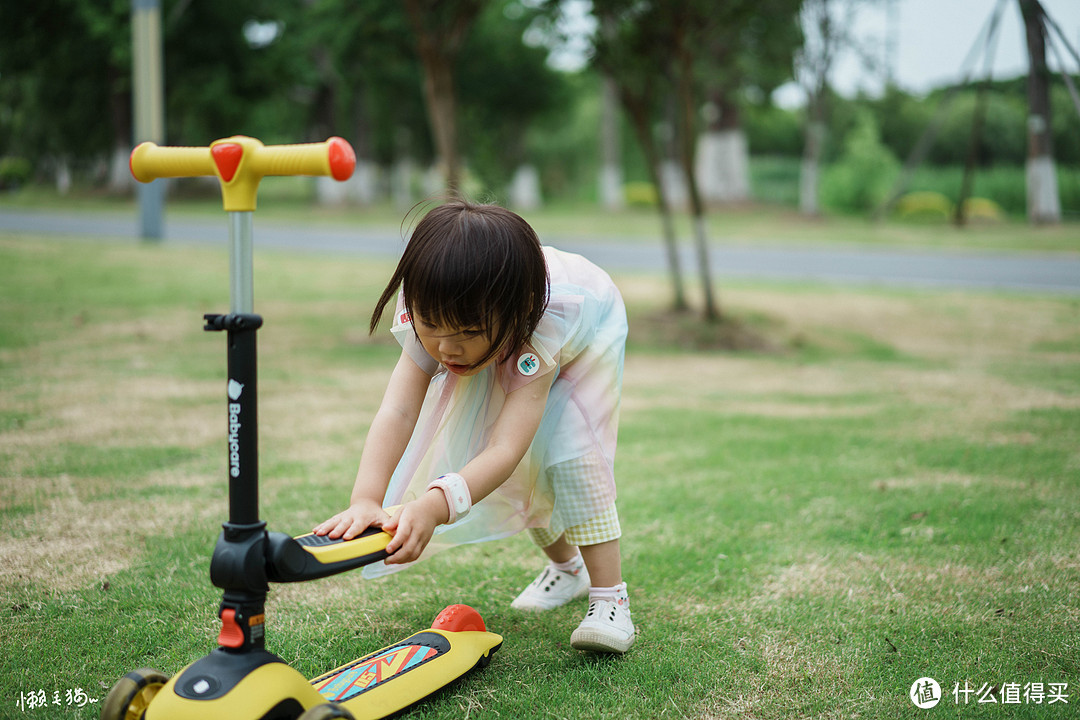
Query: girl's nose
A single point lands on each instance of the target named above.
(449, 348)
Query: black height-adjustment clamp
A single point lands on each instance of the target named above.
(239, 560)
(233, 322)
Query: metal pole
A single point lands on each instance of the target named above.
(241, 282)
(148, 105)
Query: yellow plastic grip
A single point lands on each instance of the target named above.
(150, 162)
(240, 163)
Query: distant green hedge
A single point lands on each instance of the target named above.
(775, 179)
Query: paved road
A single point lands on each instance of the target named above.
(1047, 273)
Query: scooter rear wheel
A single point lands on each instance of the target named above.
(131, 694)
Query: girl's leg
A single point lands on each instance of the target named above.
(604, 562)
(561, 551)
(607, 626)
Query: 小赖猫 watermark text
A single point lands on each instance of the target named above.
(39, 699)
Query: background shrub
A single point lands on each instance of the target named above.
(865, 173)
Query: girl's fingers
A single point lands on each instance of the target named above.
(326, 526)
(391, 526)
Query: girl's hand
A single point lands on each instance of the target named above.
(349, 523)
(413, 525)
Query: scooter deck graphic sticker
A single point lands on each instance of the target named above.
(385, 665)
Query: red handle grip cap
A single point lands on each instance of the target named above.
(342, 159)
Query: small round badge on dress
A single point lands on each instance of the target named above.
(528, 364)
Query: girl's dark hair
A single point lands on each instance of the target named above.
(473, 266)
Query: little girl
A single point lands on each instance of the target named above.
(501, 413)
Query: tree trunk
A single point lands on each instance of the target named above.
(670, 163)
(685, 70)
(363, 185)
(322, 123)
(810, 170)
(440, 27)
(611, 192)
(1043, 202)
(442, 109)
(120, 180)
(639, 118)
(401, 175)
(723, 162)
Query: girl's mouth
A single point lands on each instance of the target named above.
(455, 368)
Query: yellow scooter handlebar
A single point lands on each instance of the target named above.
(240, 163)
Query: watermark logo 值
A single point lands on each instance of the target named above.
(925, 693)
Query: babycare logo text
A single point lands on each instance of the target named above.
(235, 389)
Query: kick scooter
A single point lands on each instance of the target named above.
(241, 680)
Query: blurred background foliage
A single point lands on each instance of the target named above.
(302, 70)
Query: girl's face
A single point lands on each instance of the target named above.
(459, 350)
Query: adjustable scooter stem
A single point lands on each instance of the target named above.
(241, 324)
(239, 563)
(240, 163)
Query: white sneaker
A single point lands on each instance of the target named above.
(607, 627)
(552, 588)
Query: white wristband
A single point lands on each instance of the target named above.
(458, 497)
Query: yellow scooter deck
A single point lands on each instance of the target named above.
(222, 685)
(399, 675)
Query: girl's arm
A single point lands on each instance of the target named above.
(512, 433)
(385, 444)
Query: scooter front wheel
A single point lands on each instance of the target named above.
(131, 694)
(329, 711)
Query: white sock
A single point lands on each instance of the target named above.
(572, 566)
(616, 594)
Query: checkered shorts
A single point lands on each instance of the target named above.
(599, 529)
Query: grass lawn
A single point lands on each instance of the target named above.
(891, 492)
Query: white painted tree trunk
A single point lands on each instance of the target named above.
(120, 180)
(809, 175)
(810, 170)
(611, 187)
(329, 191)
(525, 188)
(360, 189)
(401, 189)
(722, 166)
(436, 180)
(63, 176)
(674, 180)
(1043, 201)
(363, 186)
